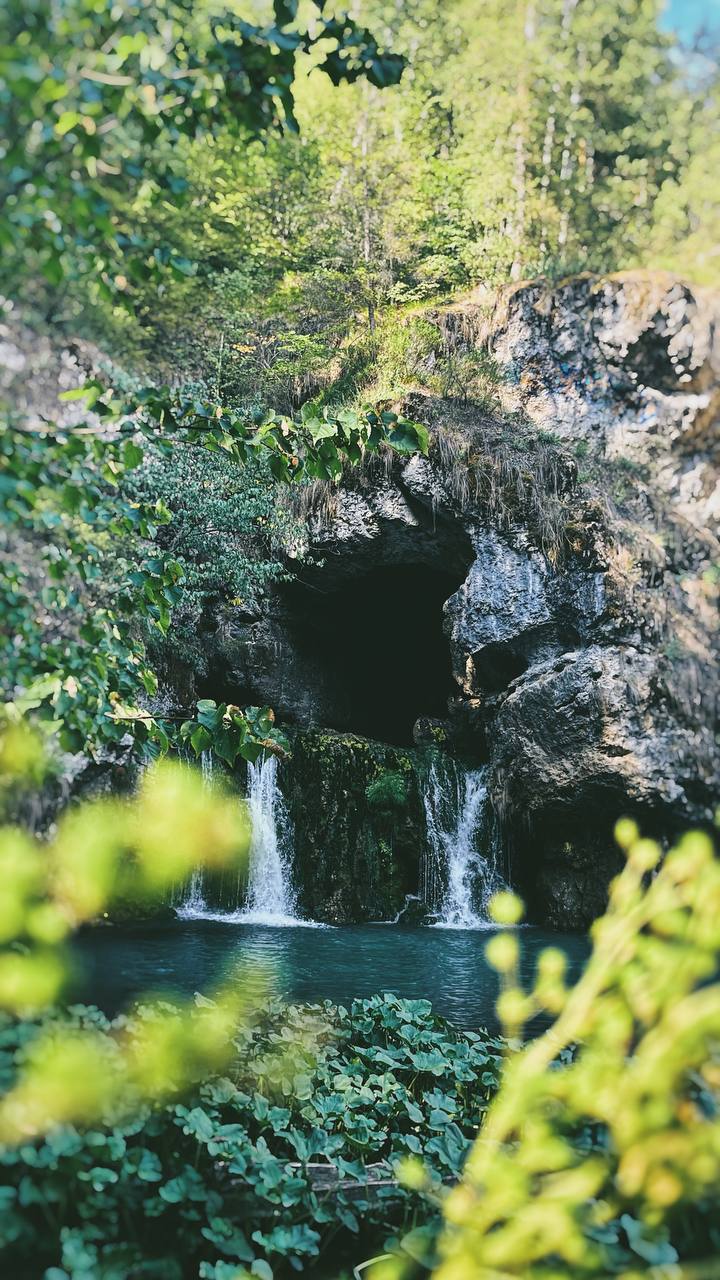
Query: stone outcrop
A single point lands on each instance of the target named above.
(354, 859)
(630, 362)
(577, 525)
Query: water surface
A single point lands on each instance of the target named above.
(445, 966)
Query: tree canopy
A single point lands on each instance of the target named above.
(94, 99)
(240, 203)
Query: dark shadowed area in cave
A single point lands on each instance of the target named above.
(379, 640)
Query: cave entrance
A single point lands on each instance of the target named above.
(378, 639)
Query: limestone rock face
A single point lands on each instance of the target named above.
(631, 362)
(509, 613)
(579, 608)
(577, 741)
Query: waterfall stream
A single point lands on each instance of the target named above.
(460, 871)
(193, 903)
(268, 896)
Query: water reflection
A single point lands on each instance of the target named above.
(445, 966)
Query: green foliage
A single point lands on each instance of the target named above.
(95, 113)
(61, 515)
(107, 850)
(598, 1151)
(65, 498)
(579, 144)
(80, 1072)
(229, 529)
(414, 348)
(584, 126)
(92, 108)
(229, 1176)
(387, 793)
(600, 1154)
(231, 733)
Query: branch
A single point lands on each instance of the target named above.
(104, 77)
(102, 429)
(148, 715)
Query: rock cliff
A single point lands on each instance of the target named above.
(538, 595)
(543, 585)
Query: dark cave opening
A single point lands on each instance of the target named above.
(378, 641)
(497, 666)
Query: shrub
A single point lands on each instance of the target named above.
(387, 793)
(228, 531)
(601, 1151)
(230, 1176)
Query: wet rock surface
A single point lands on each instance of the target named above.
(354, 859)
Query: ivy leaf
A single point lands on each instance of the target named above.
(419, 1243)
(201, 740)
(229, 1239)
(320, 430)
(656, 1251)
(183, 266)
(408, 437)
(210, 715)
(132, 455)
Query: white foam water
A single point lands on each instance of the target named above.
(193, 903)
(460, 872)
(268, 898)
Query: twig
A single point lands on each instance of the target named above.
(147, 715)
(362, 1266)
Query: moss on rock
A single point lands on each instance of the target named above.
(357, 856)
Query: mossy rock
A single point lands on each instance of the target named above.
(359, 825)
(388, 793)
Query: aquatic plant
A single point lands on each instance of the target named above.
(290, 1153)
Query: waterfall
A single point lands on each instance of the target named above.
(460, 871)
(193, 903)
(267, 898)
